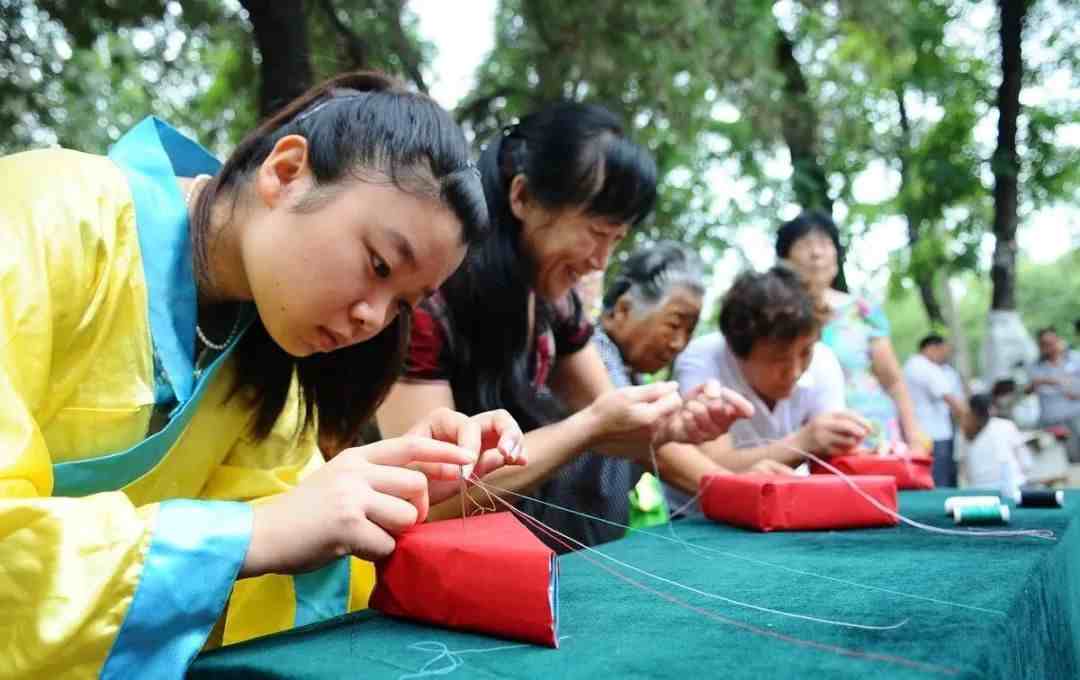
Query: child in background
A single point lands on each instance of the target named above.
(996, 457)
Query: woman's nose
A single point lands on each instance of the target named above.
(368, 317)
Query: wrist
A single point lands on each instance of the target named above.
(799, 441)
(588, 425)
(256, 561)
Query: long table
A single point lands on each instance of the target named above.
(971, 607)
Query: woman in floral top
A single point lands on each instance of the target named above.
(858, 333)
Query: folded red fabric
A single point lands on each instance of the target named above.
(911, 472)
(489, 575)
(786, 503)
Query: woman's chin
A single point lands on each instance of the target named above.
(553, 291)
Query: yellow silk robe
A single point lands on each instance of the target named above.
(119, 551)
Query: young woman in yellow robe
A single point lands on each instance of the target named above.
(173, 334)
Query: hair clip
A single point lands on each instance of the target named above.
(354, 95)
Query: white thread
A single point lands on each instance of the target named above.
(1045, 534)
(441, 652)
(724, 553)
(728, 600)
(756, 630)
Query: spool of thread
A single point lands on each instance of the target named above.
(981, 514)
(1040, 498)
(953, 502)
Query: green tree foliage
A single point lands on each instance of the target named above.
(657, 65)
(80, 73)
(1046, 295)
(879, 88)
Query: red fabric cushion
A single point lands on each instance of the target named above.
(911, 472)
(785, 502)
(489, 574)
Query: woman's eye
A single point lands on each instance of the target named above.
(379, 266)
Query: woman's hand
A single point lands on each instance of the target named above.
(494, 437)
(632, 415)
(353, 505)
(832, 434)
(707, 413)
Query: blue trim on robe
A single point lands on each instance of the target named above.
(152, 155)
(323, 593)
(117, 470)
(195, 554)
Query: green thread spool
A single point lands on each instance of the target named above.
(981, 514)
(953, 502)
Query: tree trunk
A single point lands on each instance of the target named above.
(923, 278)
(799, 126)
(280, 30)
(407, 52)
(1006, 163)
(957, 333)
(799, 123)
(355, 47)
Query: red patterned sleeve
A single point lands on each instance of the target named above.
(570, 327)
(428, 357)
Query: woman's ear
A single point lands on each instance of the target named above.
(618, 315)
(521, 201)
(285, 168)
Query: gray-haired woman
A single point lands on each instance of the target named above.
(650, 311)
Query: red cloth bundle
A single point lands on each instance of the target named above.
(490, 575)
(785, 503)
(911, 472)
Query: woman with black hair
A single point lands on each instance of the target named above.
(563, 186)
(857, 331)
(173, 332)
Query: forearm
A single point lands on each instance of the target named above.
(683, 466)
(905, 411)
(546, 450)
(725, 454)
(956, 407)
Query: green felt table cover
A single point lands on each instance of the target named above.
(1021, 620)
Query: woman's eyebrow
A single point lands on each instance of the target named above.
(402, 246)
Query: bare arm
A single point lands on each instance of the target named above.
(545, 449)
(683, 465)
(724, 453)
(620, 419)
(579, 378)
(827, 434)
(956, 406)
(888, 372)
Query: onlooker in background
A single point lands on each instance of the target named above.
(937, 402)
(857, 332)
(767, 350)
(1004, 395)
(997, 455)
(1055, 378)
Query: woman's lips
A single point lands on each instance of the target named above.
(327, 340)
